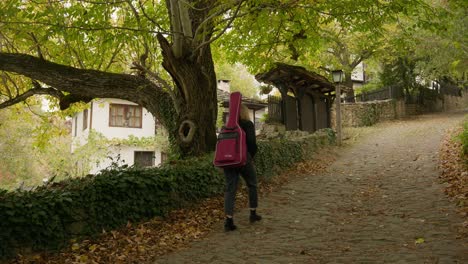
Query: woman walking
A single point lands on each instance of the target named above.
(247, 172)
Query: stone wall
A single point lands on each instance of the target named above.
(368, 113)
(412, 109)
(442, 103)
(271, 131)
(451, 103)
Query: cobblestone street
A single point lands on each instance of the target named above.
(380, 202)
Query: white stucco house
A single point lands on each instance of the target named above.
(358, 75)
(117, 119)
(121, 119)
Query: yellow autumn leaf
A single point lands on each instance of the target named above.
(75, 246)
(419, 240)
(92, 248)
(83, 258)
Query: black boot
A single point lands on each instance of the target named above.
(254, 217)
(229, 224)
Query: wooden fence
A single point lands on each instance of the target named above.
(416, 96)
(389, 92)
(274, 109)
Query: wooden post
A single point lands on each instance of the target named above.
(338, 114)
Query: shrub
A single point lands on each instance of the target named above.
(464, 137)
(49, 216)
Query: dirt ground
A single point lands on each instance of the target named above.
(380, 202)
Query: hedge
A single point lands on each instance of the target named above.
(47, 217)
(463, 136)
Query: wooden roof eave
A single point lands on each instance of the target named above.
(287, 76)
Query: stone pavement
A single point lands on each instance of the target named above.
(380, 202)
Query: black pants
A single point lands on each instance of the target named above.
(232, 179)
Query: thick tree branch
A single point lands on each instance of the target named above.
(67, 100)
(167, 52)
(85, 84)
(364, 55)
(22, 97)
(159, 81)
(39, 23)
(185, 21)
(356, 61)
(178, 36)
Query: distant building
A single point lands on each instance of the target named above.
(359, 75)
(257, 108)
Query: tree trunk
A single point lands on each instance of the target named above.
(348, 83)
(195, 124)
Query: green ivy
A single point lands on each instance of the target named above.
(134, 141)
(371, 115)
(168, 117)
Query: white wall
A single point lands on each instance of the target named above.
(358, 73)
(98, 120)
(80, 138)
(224, 85)
(127, 155)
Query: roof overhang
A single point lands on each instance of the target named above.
(286, 77)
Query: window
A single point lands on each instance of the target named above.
(121, 115)
(144, 158)
(85, 119)
(76, 126)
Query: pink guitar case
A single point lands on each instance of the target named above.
(231, 148)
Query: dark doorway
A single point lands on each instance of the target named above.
(322, 113)
(291, 113)
(308, 113)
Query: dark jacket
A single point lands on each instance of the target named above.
(249, 129)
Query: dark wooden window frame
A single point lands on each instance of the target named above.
(137, 153)
(126, 107)
(75, 129)
(85, 119)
